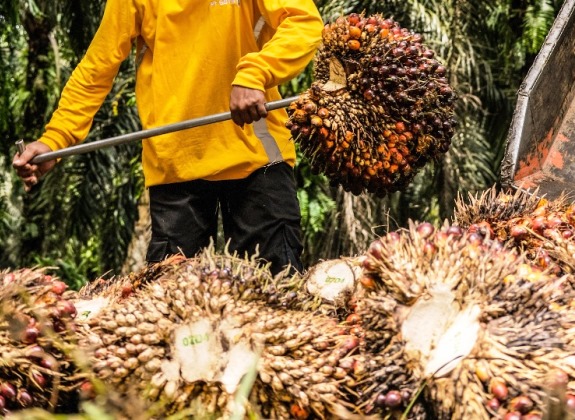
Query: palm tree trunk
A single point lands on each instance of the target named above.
(39, 30)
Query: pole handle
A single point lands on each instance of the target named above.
(21, 146)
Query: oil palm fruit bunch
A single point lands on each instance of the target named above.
(39, 366)
(463, 327)
(380, 107)
(544, 229)
(185, 337)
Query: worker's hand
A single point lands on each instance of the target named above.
(247, 105)
(29, 172)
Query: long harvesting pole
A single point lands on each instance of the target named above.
(144, 134)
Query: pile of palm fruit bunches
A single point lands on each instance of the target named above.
(459, 321)
(380, 107)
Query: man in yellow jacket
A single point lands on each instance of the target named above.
(197, 58)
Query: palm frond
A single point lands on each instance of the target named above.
(539, 17)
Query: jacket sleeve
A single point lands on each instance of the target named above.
(93, 78)
(298, 27)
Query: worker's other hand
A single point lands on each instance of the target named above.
(29, 172)
(247, 105)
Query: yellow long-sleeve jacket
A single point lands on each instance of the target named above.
(190, 54)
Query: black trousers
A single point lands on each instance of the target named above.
(259, 212)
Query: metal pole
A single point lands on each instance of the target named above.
(144, 134)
